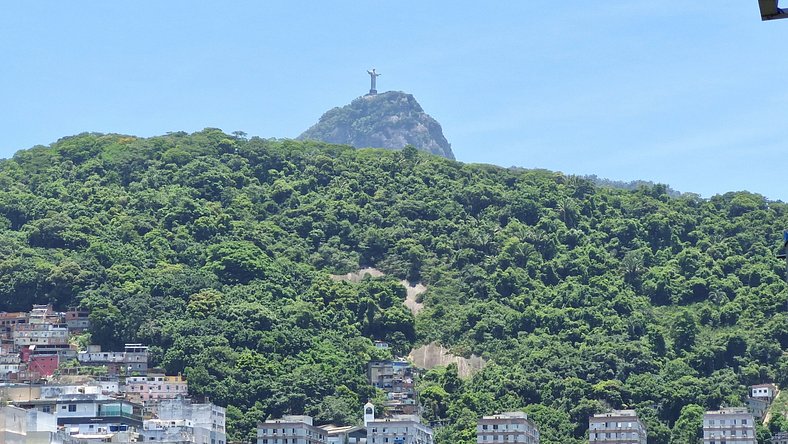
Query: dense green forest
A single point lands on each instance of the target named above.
(216, 250)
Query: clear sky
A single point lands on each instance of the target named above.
(692, 94)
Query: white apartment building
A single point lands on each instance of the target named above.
(780, 438)
(763, 391)
(400, 429)
(290, 429)
(618, 426)
(507, 427)
(97, 388)
(206, 416)
(173, 431)
(13, 425)
(733, 425)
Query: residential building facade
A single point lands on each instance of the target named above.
(294, 429)
(733, 425)
(396, 379)
(507, 427)
(780, 438)
(400, 429)
(133, 360)
(618, 426)
(206, 416)
(154, 387)
(13, 425)
(764, 391)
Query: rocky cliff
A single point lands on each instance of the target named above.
(389, 120)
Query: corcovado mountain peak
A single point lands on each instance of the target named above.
(392, 120)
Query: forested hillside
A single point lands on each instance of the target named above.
(217, 250)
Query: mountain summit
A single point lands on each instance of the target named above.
(391, 120)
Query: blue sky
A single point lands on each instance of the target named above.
(691, 94)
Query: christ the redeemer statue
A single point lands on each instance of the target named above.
(372, 77)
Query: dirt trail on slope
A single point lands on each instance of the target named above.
(768, 415)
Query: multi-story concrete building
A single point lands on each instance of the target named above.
(290, 430)
(90, 414)
(400, 429)
(99, 389)
(154, 387)
(733, 425)
(618, 426)
(13, 425)
(761, 397)
(42, 428)
(758, 407)
(205, 416)
(40, 334)
(133, 360)
(174, 431)
(9, 366)
(20, 426)
(507, 427)
(7, 323)
(763, 391)
(396, 378)
(44, 314)
(780, 438)
(77, 319)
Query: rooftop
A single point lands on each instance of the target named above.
(729, 411)
(615, 413)
(507, 415)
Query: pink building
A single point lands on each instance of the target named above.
(154, 387)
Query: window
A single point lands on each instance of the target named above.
(72, 407)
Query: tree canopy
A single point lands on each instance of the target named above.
(217, 250)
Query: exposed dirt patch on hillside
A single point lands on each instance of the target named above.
(413, 294)
(358, 276)
(413, 291)
(433, 355)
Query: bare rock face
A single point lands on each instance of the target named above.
(389, 120)
(433, 355)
